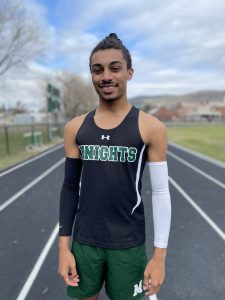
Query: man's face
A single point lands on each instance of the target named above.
(109, 74)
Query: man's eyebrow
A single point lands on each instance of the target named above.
(96, 65)
(112, 63)
(116, 62)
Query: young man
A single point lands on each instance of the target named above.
(106, 151)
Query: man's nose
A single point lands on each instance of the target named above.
(107, 75)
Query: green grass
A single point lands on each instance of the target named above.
(207, 139)
(17, 142)
(10, 160)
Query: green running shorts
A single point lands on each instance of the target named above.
(122, 271)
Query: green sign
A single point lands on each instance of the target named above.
(53, 98)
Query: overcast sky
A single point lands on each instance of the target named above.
(177, 46)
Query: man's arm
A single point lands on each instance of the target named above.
(71, 151)
(69, 198)
(154, 134)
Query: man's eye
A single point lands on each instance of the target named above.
(116, 69)
(97, 71)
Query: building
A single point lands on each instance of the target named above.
(204, 112)
(163, 114)
(201, 111)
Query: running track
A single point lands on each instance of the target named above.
(28, 228)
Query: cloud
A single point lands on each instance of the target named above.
(178, 32)
(170, 33)
(176, 46)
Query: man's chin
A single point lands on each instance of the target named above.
(108, 97)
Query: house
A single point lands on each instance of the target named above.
(163, 114)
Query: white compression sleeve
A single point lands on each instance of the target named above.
(161, 203)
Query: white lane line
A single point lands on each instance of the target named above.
(206, 175)
(32, 183)
(34, 272)
(198, 209)
(199, 155)
(153, 297)
(30, 160)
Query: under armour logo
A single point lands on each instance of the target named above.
(107, 137)
(137, 289)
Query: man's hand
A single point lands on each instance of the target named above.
(67, 267)
(154, 275)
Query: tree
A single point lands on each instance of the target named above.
(2, 108)
(147, 107)
(19, 108)
(20, 36)
(77, 96)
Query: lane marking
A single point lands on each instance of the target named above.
(30, 160)
(34, 272)
(31, 184)
(153, 297)
(199, 155)
(206, 175)
(215, 227)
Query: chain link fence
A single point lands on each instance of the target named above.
(16, 138)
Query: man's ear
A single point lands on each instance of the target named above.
(130, 74)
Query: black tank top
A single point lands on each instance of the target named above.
(110, 210)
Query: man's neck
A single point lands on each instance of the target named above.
(114, 106)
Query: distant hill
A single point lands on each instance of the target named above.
(168, 100)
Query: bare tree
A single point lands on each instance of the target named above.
(19, 108)
(20, 36)
(77, 96)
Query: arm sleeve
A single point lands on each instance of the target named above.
(161, 203)
(69, 196)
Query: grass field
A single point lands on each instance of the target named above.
(16, 138)
(208, 139)
(10, 160)
(19, 136)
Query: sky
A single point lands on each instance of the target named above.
(177, 46)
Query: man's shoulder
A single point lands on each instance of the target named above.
(74, 124)
(151, 123)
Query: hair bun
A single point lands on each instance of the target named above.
(112, 36)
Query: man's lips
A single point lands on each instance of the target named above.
(108, 88)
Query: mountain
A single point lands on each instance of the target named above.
(167, 100)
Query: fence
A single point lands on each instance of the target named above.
(15, 138)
